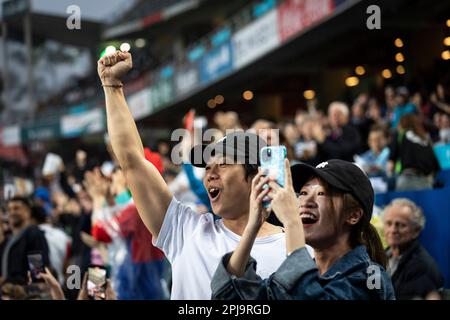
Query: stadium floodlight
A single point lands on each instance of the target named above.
(248, 95)
(110, 50)
(446, 55)
(125, 47)
(140, 43)
(386, 73)
(359, 70)
(447, 41)
(309, 94)
(211, 103)
(399, 57)
(351, 81)
(400, 69)
(398, 43)
(219, 99)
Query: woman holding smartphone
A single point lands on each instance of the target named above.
(332, 214)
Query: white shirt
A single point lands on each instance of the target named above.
(194, 244)
(58, 243)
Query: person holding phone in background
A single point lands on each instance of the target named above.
(332, 214)
(192, 242)
(24, 239)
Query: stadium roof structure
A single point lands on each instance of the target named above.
(49, 17)
(341, 39)
(144, 14)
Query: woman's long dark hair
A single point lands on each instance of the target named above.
(365, 233)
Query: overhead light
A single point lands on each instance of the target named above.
(125, 47)
(309, 94)
(386, 73)
(448, 23)
(400, 69)
(110, 50)
(399, 57)
(447, 41)
(351, 81)
(140, 43)
(219, 99)
(211, 103)
(398, 43)
(359, 70)
(248, 95)
(446, 55)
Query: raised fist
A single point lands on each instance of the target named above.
(111, 68)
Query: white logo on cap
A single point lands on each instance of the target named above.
(322, 165)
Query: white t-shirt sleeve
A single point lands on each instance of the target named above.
(179, 224)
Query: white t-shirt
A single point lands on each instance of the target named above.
(58, 243)
(195, 243)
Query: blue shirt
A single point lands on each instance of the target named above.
(353, 277)
(375, 165)
(400, 111)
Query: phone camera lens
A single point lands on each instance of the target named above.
(269, 152)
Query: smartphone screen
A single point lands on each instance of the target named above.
(35, 265)
(272, 161)
(96, 283)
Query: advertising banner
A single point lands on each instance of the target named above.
(296, 15)
(216, 63)
(75, 125)
(255, 40)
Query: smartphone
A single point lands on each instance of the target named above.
(35, 265)
(272, 162)
(96, 283)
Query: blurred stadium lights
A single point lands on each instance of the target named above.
(359, 70)
(309, 94)
(399, 57)
(398, 43)
(110, 50)
(386, 73)
(446, 55)
(400, 69)
(248, 95)
(140, 43)
(211, 103)
(447, 41)
(351, 81)
(125, 47)
(219, 99)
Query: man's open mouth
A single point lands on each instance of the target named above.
(213, 193)
(308, 218)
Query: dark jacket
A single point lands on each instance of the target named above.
(417, 273)
(341, 144)
(353, 277)
(32, 239)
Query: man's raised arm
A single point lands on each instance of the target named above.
(149, 190)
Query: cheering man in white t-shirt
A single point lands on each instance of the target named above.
(193, 243)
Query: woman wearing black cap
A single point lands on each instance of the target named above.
(335, 200)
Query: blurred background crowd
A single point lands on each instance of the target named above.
(299, 73)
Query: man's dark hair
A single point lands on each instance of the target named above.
(38, 213)
(25, 201)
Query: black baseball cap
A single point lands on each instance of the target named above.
(242, 147)
(342, 175)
